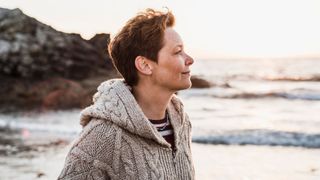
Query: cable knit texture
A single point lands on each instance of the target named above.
(119, 142)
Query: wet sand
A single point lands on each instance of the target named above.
(256, 162)
(211, 162)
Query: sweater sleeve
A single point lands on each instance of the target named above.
(88, 157)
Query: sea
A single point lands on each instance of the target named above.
(273, 102)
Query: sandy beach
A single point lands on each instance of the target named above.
(256, 162)
(211, 162)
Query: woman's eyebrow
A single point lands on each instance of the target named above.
(179, 45)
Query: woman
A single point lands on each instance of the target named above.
(137, 127)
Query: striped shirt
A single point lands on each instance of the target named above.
(165, 129)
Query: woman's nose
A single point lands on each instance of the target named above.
(189, 60)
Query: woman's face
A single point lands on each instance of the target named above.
(172, 71)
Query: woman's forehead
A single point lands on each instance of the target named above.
(172, 38)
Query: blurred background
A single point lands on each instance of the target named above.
(254, 104)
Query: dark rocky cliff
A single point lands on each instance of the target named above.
(41, 67)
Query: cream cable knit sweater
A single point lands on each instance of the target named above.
(119, 142)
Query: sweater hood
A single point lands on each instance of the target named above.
(114, 102)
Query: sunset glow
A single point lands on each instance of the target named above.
(246, 28)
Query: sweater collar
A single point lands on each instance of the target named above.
(115, 102)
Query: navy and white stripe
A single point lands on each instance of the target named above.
(164, 127)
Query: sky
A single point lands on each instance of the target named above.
(209, 28)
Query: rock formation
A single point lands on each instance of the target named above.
(42, 67)
(198, 82)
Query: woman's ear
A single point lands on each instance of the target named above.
(143, 65)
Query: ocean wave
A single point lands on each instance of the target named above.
(287, 95)
(312, 77)
(293, 78)
(261, 137)
(302, 94)
(18, 126)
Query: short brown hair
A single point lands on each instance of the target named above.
(141, 36)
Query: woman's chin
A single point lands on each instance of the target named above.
(186, 85)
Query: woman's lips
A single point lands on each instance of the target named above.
(186, 73)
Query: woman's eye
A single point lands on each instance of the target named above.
(178, 52)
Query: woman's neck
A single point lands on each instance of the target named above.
(152, 100)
